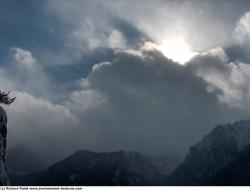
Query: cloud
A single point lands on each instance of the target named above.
(28, 74)
(133, 20)
(83, 101)
(44, 126)
(231, 79)
(116, 40)
(86, 38)
(242, 30)
(35, 119)
(24, 57)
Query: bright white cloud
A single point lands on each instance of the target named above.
(27, 74)
(40, 124)
(116, 40)
(24, 57)
(83, 101)
(242, 30)
(230, 79)
(84, 37)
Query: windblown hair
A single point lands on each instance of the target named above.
(4, 98)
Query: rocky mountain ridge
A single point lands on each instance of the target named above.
(215, 152)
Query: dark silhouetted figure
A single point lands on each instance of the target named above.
(4, 99)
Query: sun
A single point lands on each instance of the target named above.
(177, 49)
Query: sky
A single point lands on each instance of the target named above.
(148, 75)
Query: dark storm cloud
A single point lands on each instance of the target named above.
(148, 102)
(152, 100)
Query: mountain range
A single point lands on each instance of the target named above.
(222, 157)
(91, 168)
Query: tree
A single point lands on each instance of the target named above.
(4, 98)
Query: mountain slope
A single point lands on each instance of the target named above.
(164, 163)
(236, 173)
(91, 168)
(205, 160)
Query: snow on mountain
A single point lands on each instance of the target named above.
(213, 153)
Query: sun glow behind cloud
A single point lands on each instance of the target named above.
(177, 49)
